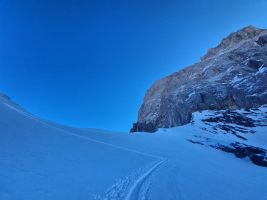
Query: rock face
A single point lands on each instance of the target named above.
(230, 76)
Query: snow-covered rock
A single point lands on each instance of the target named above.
(241, 132)
(232, 75)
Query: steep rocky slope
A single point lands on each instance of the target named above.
(232, 75)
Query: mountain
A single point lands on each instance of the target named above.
(47, 161)
(232, 75)
(220, 151)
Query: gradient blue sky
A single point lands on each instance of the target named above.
(89, 63)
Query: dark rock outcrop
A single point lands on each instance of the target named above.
(257, 155)
(230, 76)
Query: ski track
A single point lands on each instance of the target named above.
(135, 186)
(80, 136)
(138, 190)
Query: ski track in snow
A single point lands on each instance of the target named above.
(140, 187)
(139, 184)
(136, 186)
(85, 137)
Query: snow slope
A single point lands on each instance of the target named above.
(46, 161)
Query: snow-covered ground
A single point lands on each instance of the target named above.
(40, 160)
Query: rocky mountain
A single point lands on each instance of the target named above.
(232, 75)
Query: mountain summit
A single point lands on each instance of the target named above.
(232, 75)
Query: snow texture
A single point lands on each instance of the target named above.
(46, 161)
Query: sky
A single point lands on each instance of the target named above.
(89, 63)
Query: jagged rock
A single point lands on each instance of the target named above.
(228, 117)
(230, 76)
(262, 40)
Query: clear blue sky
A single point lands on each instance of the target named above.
(89, 63)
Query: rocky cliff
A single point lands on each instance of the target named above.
(230, 76)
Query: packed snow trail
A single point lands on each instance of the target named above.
(135, 186)
(136, 190)
(139, 189)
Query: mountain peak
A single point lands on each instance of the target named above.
(245, 33)
(233, 40)
(232, 75)
(249, 28)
